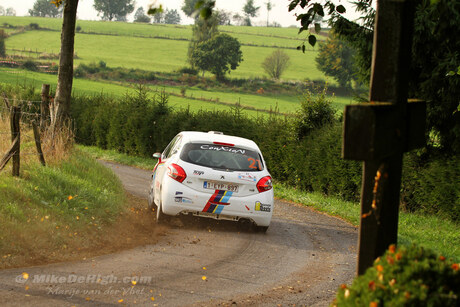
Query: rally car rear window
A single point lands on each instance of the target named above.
(222, 157)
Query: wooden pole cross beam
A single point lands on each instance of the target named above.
(380, 131)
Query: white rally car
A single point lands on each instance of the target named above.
(212, 175)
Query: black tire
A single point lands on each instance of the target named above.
(262, 229)
(150, 202)
(161, 217)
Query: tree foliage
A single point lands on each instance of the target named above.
(202, 30)
(10, 12)
(171, 17)
(114, 9)
(218, 55)
(434, 53)
(336, 59)
(44, 8)
(276, 63)
(250, 11)
(189, 7)
(140, 16)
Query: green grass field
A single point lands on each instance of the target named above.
(132, 46)
(152, 54)
(284, 103)
(283, 37)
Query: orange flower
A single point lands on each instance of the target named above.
(455, 266)
(442, 258)
(343, 286)
(373, 304)
(371, 285)
(379, 268)
(392, 248)
(390, 260)
(70, 197)
(398, 256)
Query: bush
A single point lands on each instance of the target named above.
(276, 63)
(316, 111)
(30, 65)
(431, 186)
(189, 71)
(405, 277)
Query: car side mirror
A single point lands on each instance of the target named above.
(157, 155)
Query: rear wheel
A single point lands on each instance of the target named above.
(151, 203)
(161, 217)
(262, 229)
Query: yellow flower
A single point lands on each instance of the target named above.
(203, 278)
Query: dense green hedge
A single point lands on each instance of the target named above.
(144, 124)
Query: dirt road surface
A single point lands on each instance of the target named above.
(301, 260)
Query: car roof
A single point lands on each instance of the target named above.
(209, 137)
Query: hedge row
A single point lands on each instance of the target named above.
(144, 124)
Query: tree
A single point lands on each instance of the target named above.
(61, 110)
(434, 54)
(10, 12)
(218, 55)
(159, 17)
(202, 30)
(140, 16)
(114, 9)
(171, 17)
(223, 17)
(189, 7)
(276, 63)
(269, 7)
(250, 11)
(336, 59)
(44, 8)
(2, 44)
(2, 11)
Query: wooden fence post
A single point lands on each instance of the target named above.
(16, 137)
(38, 143)
(45, 106)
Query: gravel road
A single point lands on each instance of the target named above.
(301, 260)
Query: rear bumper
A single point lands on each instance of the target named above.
(180, 199)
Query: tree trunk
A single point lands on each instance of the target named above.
(61, 104)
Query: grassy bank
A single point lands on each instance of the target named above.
(430, 231)
(50, 213)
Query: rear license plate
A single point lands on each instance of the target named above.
(220, 186)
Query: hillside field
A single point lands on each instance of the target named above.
(162, 49)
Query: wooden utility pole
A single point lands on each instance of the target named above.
(380, 131)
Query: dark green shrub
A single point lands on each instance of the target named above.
(432, 186)
(34, 26)
(78, 28)
(188, 70)
(30, 65)
(316, 111)
(405, 277)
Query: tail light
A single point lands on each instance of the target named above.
(176, 172)
(264, 184)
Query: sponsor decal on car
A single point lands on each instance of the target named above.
(198, 173)
(179, 193)
(223, 148)
(262, 207)
(218, 201)
(184, 200)
(247, 177)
